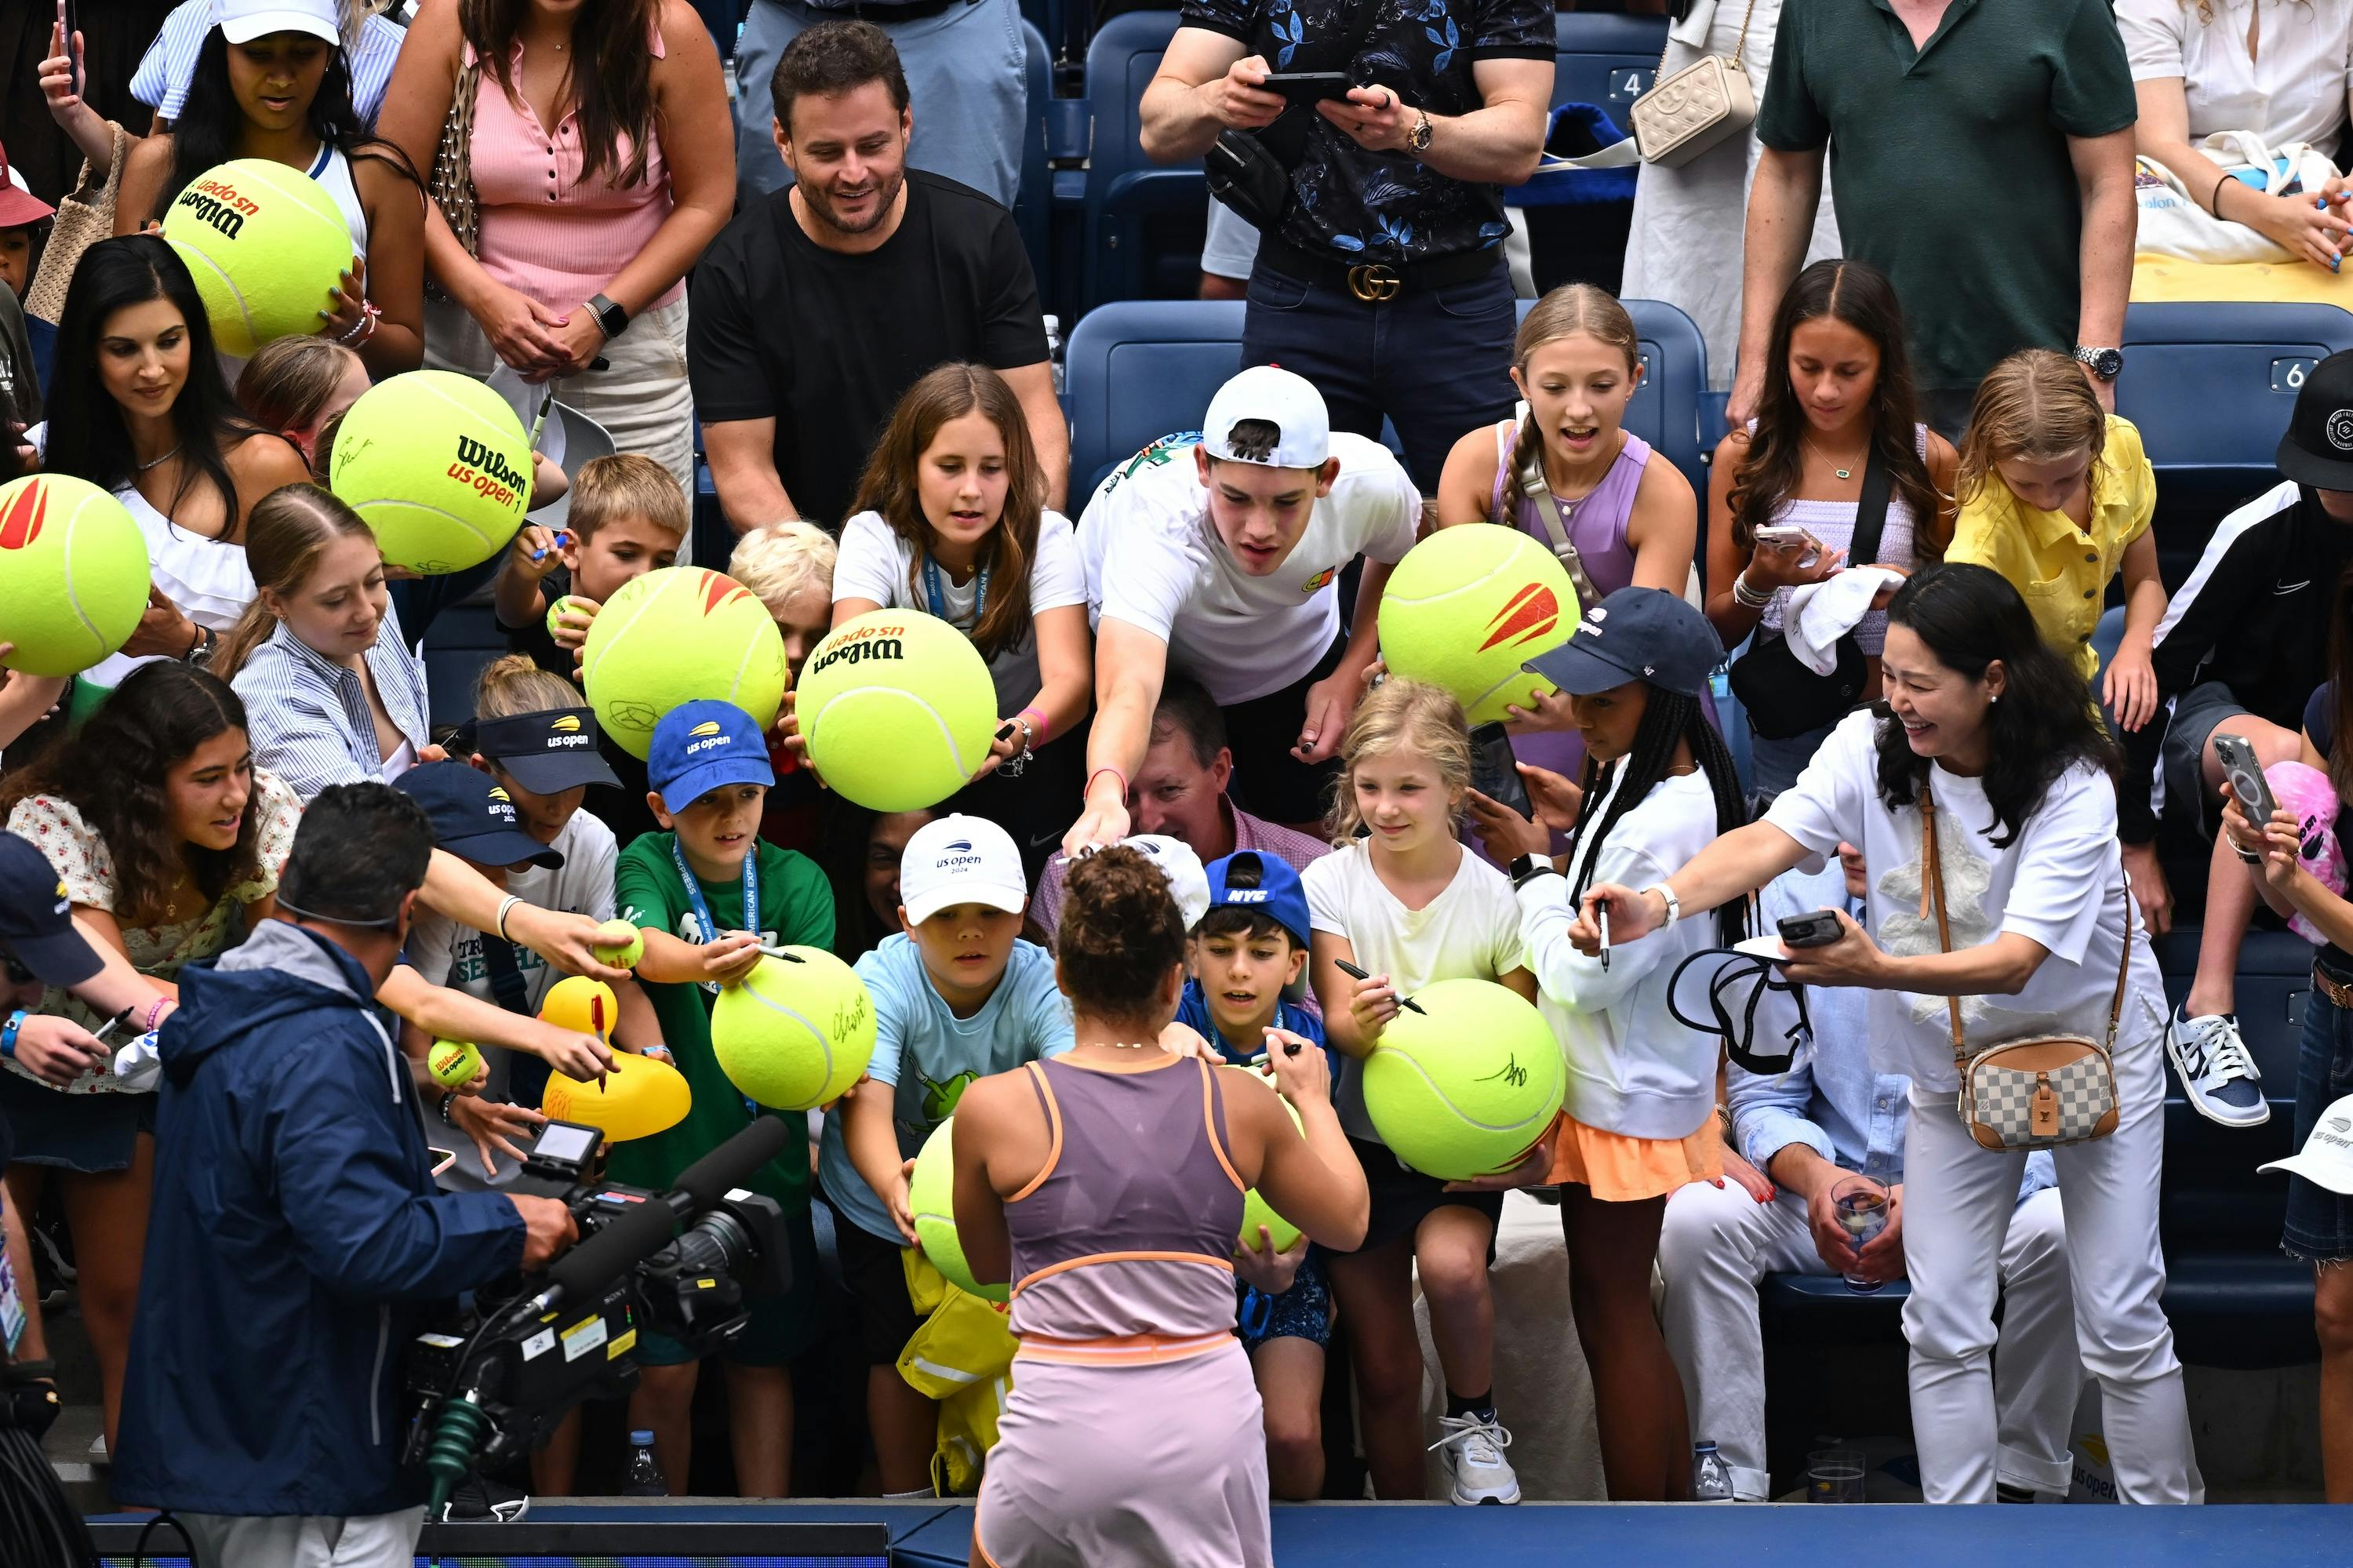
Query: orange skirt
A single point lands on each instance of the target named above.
(1622, 1170)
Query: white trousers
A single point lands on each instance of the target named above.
(299, 1540)
(1958, 1199)
(1717, 1245)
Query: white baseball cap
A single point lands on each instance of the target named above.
(242, 21)
(1189, 881)
(2327, 1158)
(956, 860)
(1280, 397)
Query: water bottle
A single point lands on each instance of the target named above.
(1711, 1479)
(644, 1478)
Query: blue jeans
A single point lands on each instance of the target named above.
(2319, 1227)
(967, 88)
(1437, 362)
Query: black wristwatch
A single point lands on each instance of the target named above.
(200, 652)
(1528, 867)
(2107, 364)
(610, 317)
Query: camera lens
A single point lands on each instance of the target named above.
(713, 1242)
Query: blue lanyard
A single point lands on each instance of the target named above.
(702, 909)
(939, 600)
(1251, 1048)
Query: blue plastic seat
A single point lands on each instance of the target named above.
(1144, 223)
(2210, 386)
(1605, 60)
(1033, 203)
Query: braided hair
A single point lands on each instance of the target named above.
(1670, 719)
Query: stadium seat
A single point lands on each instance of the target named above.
(1033, 203)
(460, 643)
(1144, 223)
(1666, 411)
(1605, 60)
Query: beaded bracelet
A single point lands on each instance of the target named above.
(362, 330)
(155, 1010)
(1747, 596)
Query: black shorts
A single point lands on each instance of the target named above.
(1269, 782)
(875, 1275)
(1403, 1198)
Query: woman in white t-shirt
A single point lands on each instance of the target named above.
(2278, 69)
(952, 520)
(1993, 729)
(1407, 905)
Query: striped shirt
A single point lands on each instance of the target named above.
(308, 718)
(162, 78)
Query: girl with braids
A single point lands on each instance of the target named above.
(1985, 725)
(1837, 398)
(278, 87)
(1407, 905)
(1616, 515)
(1639, 1120)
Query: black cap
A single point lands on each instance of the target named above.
(547, 752)
(1635, 634)
(2317, 449)
(36, 925)
(472, 817)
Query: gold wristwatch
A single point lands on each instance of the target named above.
(1418, 137)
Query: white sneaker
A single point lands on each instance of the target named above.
(1476, 1470)
(2216, 1072)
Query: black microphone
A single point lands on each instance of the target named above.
(731, 1164)
(611, 1253)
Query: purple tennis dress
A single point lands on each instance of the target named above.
(1133, 1433)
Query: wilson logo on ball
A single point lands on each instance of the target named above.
(22, 524)
(1532, 612)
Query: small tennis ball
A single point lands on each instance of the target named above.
(640, 1097)
(453, 1063)
(897, 709)
(797, 1033)
(1467, 1086)
(75, 570)
(581, 1005)
(674, 635)
(267, 245)
(619, 944)
(438, 465)
(930, 1201)
(1255, 1212)
(555, 614)
(1470, 605)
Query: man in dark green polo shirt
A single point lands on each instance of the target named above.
(1982, 155)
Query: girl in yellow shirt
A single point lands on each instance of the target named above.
(2055, 494)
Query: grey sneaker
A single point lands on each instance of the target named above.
(1476, 1470)
(2216, 1072)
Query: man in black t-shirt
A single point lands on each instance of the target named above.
(822, 303)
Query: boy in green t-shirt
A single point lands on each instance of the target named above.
(708, 894)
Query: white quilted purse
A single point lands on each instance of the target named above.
(1685, 114)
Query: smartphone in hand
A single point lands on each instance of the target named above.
(2246, 773)
(1495, 770)
(1305, 87)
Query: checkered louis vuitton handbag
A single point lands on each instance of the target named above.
(2042, 1090)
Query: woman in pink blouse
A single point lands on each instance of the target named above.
(603, 162)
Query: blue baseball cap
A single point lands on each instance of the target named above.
(472, 816)
(1278, 895)
(1634, 634)
(703, 746)
(36, 926)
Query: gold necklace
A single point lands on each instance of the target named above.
(1847, 473)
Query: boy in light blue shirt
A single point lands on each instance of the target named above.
(958, 996)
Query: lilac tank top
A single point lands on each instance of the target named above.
(1129, 1231)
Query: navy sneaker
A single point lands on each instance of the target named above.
(2216, 1072)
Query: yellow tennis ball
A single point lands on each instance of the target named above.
(1470, 605)
(1467, 1086)
(73, 574)
(640, 1097)
(581, 1004)
(677, 634)
(438, 465)
(453, 1063)
(267, 245)
(931, 1202)
(797, 1033)
(1255, 1212)
(619, 944)
(555, 613)
(897, 709)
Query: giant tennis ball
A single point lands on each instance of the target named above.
(1470, 605)
(897, 709)
(930, 1201)
(619, 943)
(1468, 1084)
(438, 465)
(581, 1004)
(1254, 1210)
(640, 1097)
(73, 574)
(677, 634)
(797, 1033)
(453, 1063)
(267, 245)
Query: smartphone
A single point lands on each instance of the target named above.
(1786, 534)
(442, 1159)
(1308, 86)
(69, 25)
(1819, 929)
(2246, 777)
(1495, 770)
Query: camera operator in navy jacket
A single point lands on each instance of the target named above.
(296, 1227)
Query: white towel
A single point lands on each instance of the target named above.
(1820, 613)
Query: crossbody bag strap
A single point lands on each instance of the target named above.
(1538, 491)
(1870, 512)
(2124, 970)
(1741, 48)
(1934, 864)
